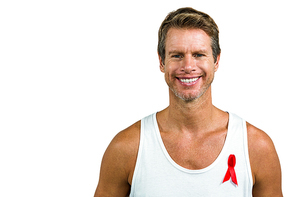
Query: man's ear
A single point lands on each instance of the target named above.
(161, 65)
(217, 62)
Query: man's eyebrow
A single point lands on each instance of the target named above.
(194, 52)
(175, 51)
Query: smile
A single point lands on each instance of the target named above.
(189, 80)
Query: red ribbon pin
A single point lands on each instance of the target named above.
(230, 171)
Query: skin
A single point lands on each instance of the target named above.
(192, 128)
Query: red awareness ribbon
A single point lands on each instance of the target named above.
(230, 171)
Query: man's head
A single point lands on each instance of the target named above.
(189, 52)
(188, 18)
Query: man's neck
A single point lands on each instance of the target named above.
(191, 117)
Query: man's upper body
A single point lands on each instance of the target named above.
(192, 129)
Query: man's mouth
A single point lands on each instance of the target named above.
(188, 81)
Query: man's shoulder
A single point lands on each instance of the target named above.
(259, 142)
(127, 140)
(263, 156)
(121, 154)
(118, 162)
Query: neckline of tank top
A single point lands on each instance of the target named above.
(203, 170)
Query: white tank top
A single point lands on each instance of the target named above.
(158, 175)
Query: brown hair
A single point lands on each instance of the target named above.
(188, 18)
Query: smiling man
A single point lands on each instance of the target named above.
(191, 148)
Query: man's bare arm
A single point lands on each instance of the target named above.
(118, 164)
(265, 164)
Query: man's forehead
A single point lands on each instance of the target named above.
(187, 39)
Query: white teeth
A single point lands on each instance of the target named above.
(189, 80)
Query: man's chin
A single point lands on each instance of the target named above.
(186, 97)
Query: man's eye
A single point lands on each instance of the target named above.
(198, 55)
(176, 56)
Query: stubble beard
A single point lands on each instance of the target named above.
(192, 97)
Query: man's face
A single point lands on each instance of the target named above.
(189, 64)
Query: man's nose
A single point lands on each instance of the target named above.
(188, 65)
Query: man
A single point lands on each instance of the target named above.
(191, 148)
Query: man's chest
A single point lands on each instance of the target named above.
(194, 152)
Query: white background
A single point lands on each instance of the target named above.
(75, 73)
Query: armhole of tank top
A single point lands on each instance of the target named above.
(138, 159)
(247, 152)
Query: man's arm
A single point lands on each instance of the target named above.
(118, 164)
(265, 164)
